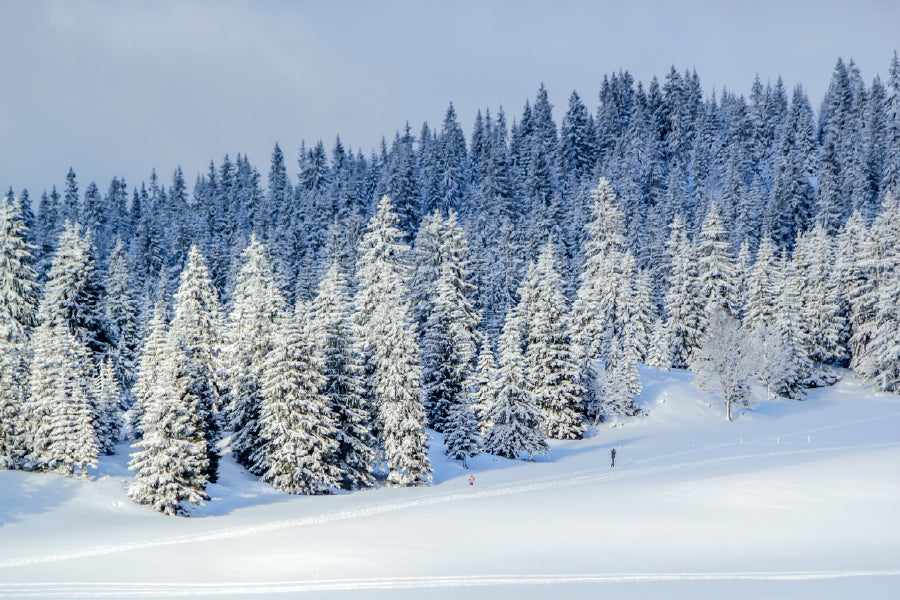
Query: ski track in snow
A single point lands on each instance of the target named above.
(144, 590)
(366, 511)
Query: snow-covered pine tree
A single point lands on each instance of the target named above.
(884, 360)
(426, 268)
(683, 305)
(149, 366)
(514, 417)
(397, 389)
(61, 403)
(462, 439)
(297, 428)
(857, 269)
(380, 266)
(602, 283)
(659, 355)
(73, 294)
(620, 381)
(743, 266)
(107, 409)
(449, 336)
(343, 386)
(122, 316)
(257, 308)
(642, 314)
(480, 384)
(442, 371)
(65, 349)
(762, 291)
(456, 268)
(823, 321)
(171, 462)
(18, 303)
(195, 343)
(497, 268)
(552, 374)
(389, 342)
(881, 360)
(716, 272)
(788, 324)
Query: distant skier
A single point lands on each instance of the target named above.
(471, 480)
(613, 455)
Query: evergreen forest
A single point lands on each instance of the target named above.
(317, 319)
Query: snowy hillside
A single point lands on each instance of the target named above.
(792, 500)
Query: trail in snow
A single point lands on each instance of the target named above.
(366, 511)
(144, 590)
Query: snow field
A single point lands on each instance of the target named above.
(793, 500)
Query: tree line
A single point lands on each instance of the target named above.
(546, 264)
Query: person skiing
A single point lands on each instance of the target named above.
(471, 480)
(613, 455)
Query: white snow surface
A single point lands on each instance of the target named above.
(792, 500)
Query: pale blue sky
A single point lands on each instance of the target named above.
(120, 87)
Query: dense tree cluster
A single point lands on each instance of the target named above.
(317, 325)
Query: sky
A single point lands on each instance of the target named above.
(119, 88)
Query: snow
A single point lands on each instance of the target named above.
(793, 499)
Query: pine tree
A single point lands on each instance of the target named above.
(194, 341)
(441, 297)
(381, 265)
(150, 365)
(890, 175)
(18, 303)
(762, 293)
(514, 417)
(602, 282)
(879, 331)
(462, 439)
(823, 322)
(742, 267)
(452, 164)
(716, 272)
(659, 355)
(389, 342)
(171, 462)
(121, 314)
(481, 385)
(788, 325)
(71, 203)
(885, 346)
(620, 382)
(552, 374)
(66, 349)
(443, 374)
(298, 429)
(426, 267)
(61, 403)
(257, 308)
(577, 141)
(641, 314)
(682, 300)
(107, 410)
(73, 294)
(791, 199)
(858, 275)
(343, 386)
(397, 389)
